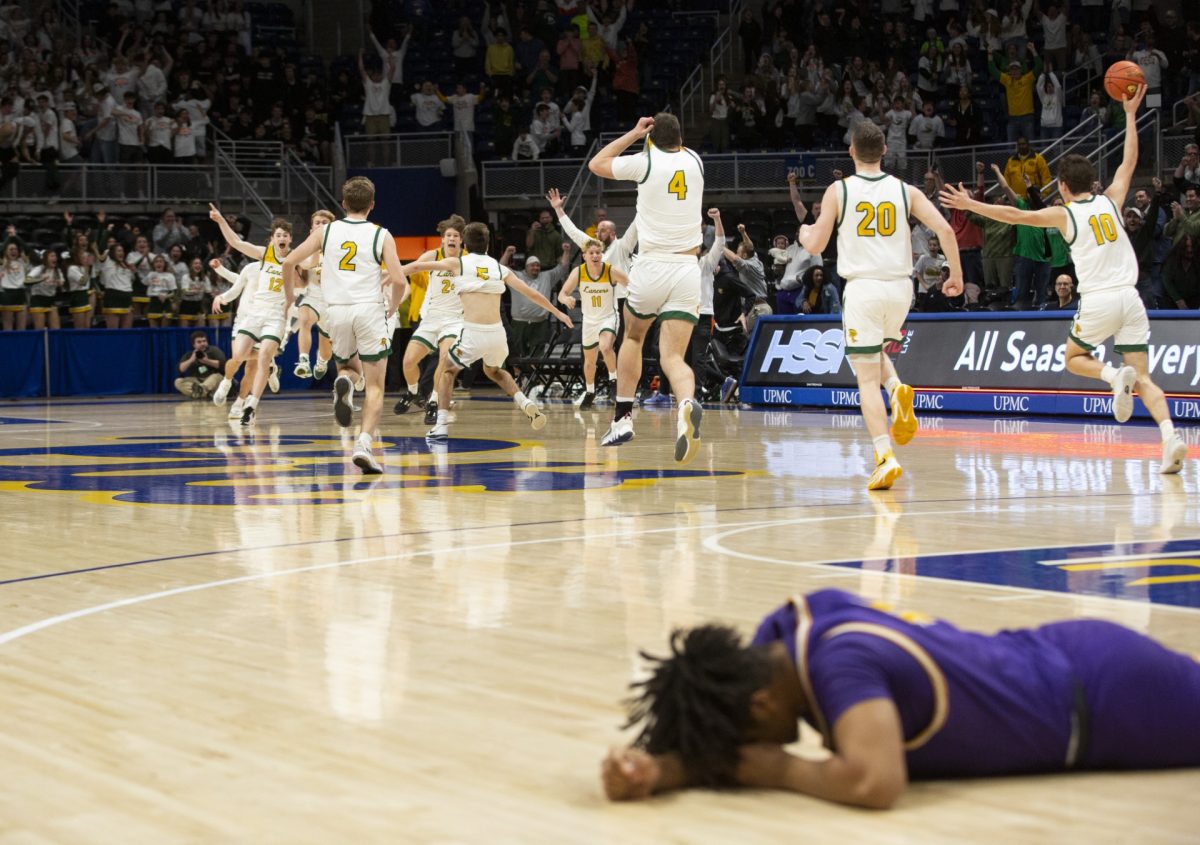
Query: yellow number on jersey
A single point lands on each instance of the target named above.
(347, 262)
(879, 219)
(275, 284)
(678, 185)
(597, 300)
(1104, 228)
(447, 286)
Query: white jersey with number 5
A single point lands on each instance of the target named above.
(1103, 255)
(351, 260)
(874, 241)
(670, 203)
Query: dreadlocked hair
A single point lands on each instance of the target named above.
(696, 703)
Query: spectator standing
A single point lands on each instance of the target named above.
(524, 147)
(1054, 35)
(499, 62)
(1153, 62)
(1031, 268)
(530, 322)
(790, 285)
(1018, 89)
(168, 232)
(161, 288)
(626, 82)
(504, 126)
(965, 119)
(104, 134)
(1187, 172)
(14, 309)
(429, 107)
(81, 290)
(378, 115)
(748, 265)
(544, 239)
(47, 282)
(464, 43)
(1051, 96)
(160, 136)
(201, 369)
(751, 34)
(999, 241)
(577, 116)
(527, 49)
(68, 137)
(927, 128)
(570, 54)
(464, 105)
(898, 118)
(1026, 163)
(48, 152)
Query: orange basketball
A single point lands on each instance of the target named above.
(1121, 81)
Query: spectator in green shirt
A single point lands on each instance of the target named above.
(1031, 268)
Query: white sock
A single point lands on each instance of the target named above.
(321, 360)
(302, 357)
(612, 378)
(883, 444)
(412, 388)
(443, 417)
(433, 396)
(1168, 430)
(251, 402)
(890, 385)
(226, 383)
(366, 439)
(591, 388)
(1109, 373)
(519, 399)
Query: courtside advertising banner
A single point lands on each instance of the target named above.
(986, 362)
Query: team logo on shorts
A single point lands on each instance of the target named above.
(853, 335)
(253, 469)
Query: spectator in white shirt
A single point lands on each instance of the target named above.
(197, 104)
(160, 136)
(428, 106)
(1049, 91)
(104, 133)
(464, 105)
(68, 146)
(610, 28)
(152, 81)
(129, 130)
(789, 285)
(185, 138)
(525, 148)
(544, 133)
(377, 97)
(1153, 62)
(49, 138)
(1054, 36)
(927, 128)
(464, 43)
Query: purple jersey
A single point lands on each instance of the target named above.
(1036, 700)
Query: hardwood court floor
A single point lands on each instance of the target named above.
(216, 637)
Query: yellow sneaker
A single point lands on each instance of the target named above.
(904, 421)
(887, 470)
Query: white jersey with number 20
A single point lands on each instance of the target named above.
(874, 240)
(670, 203)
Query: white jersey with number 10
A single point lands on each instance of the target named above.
(670, 203)
(1100, 248)
(874, 239)
(351, 260)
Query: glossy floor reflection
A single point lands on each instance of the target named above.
(214, 635)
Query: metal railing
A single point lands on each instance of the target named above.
(115, 183)
(233, 182)
(580, 186)
(411, 149)
(1179, 111)
(308, 183)
(694, 93)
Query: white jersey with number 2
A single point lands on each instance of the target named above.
(874, 240)
(670, 202)
(351, 260)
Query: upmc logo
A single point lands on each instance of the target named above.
(815, 352)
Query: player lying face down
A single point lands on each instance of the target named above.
(898, 699)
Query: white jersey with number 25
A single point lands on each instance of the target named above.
(670, 203)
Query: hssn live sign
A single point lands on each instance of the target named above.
(990, 361)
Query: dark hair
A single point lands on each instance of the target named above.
(454, 221)
(281, 223)
(192, 337)
(1077, 173)
(476, 236)
(867, 140)
(666, 132)
(697, 701)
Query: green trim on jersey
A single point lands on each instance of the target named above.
(871, 178)
(325, 238)
(845, 202)
(378, 253)
(649, 163)
(904, 193)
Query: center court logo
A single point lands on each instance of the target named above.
(815, 352)
(249, 470)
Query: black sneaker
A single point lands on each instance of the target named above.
(589, 399)
(431, 413)
(403, 403)
(343, 400)
(248, 415)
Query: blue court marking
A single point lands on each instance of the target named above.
(1158, 572)
(20, 421)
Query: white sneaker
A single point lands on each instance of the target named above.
(343, 400)
(887, 470)
(687, 439)
(235, 410)
(1174, 451)
(273, 378)
(320, 369)
(222, 391)
(361, 384)
(441, 431)
(1122, 390)
(621, 431)
(302, 369)
(362, 457)
(537, 420)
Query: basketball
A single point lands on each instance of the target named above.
(1121, 81)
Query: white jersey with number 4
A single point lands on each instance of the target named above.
(874, 240)
(351, 261)
(670, 203)
(1102, 252)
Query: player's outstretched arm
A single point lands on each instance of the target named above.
(231, 237)
(1119, 188)
(568, 288)
(296, 258)
(536, 297)
(446, 265)
(602, 163)
(391, 261)
(927, 213)
(956, 196)
(815, 238)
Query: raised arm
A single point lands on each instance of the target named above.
(568, 288)
(1124, 175)
(296, 259)
(815, 238)
(231, 237)
(1004, 186)
(557, 201)
(602, 163)
(960, 198)
(794, 194)
(446, 265)
(713, 257)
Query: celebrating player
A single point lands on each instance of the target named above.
(597, 281)
(309, 309)
(1107, 268)
(870, 211)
